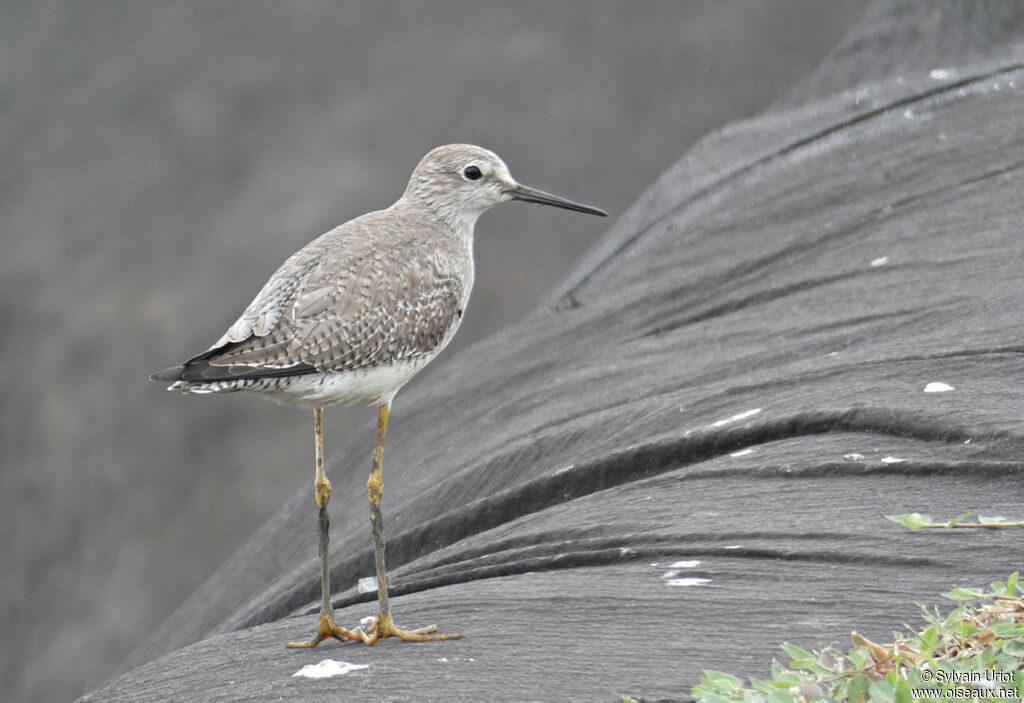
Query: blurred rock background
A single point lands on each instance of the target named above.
(161, 159)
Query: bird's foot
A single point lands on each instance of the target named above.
(383, 627)
(327, 628)
(377, 630)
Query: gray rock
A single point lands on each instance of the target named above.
(646, 477)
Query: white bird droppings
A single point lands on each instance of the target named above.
(328, 668)
(367, 584)
(880, 261)
(940, 74)
(736, 418)
(685, 564)
(742, 452)
(892, 460)
(671, 577)
(693, 581)
(938, 387)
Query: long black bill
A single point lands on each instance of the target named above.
(532, 195)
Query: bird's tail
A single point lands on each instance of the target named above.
(168, 375)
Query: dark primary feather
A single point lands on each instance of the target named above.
(168, 375)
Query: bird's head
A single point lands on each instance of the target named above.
(460, 182)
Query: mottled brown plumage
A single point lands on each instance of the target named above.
(349, 301)
(355, 314)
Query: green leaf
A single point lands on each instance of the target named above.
(882, 692)
(1011, 584)
(721, 680)
(990, 520)
(955, 520)
(860, 658)
(964, 629)
(1004, 629)
(965, 593)
(764, 686)
(781, 697)
(1014, 648)
(930, 616)
(930, 636)
(955, 615)
(857, 690)
(709, 697)
(797, 654)
(927, 642)
(914, 521)
(903, 694)
(768, 686)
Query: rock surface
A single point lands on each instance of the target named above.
(650, 476)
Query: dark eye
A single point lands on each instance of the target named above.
(472, 173)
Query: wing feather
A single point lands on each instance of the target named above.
(345, 303)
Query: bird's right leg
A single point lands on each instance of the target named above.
(326, 626)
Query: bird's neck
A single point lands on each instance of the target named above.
(458, 222)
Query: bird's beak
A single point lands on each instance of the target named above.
(532, 195)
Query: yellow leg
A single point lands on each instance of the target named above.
(384, 626)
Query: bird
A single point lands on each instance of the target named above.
(352, 316)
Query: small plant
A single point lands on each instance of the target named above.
(917, 521)
(976, 652)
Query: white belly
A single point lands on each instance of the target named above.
(376, 385)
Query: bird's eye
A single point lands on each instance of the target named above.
(472, 173)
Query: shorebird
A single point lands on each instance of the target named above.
(355, 314)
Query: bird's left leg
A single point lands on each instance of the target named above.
(384, 626)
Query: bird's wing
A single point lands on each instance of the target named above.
(340, 304)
